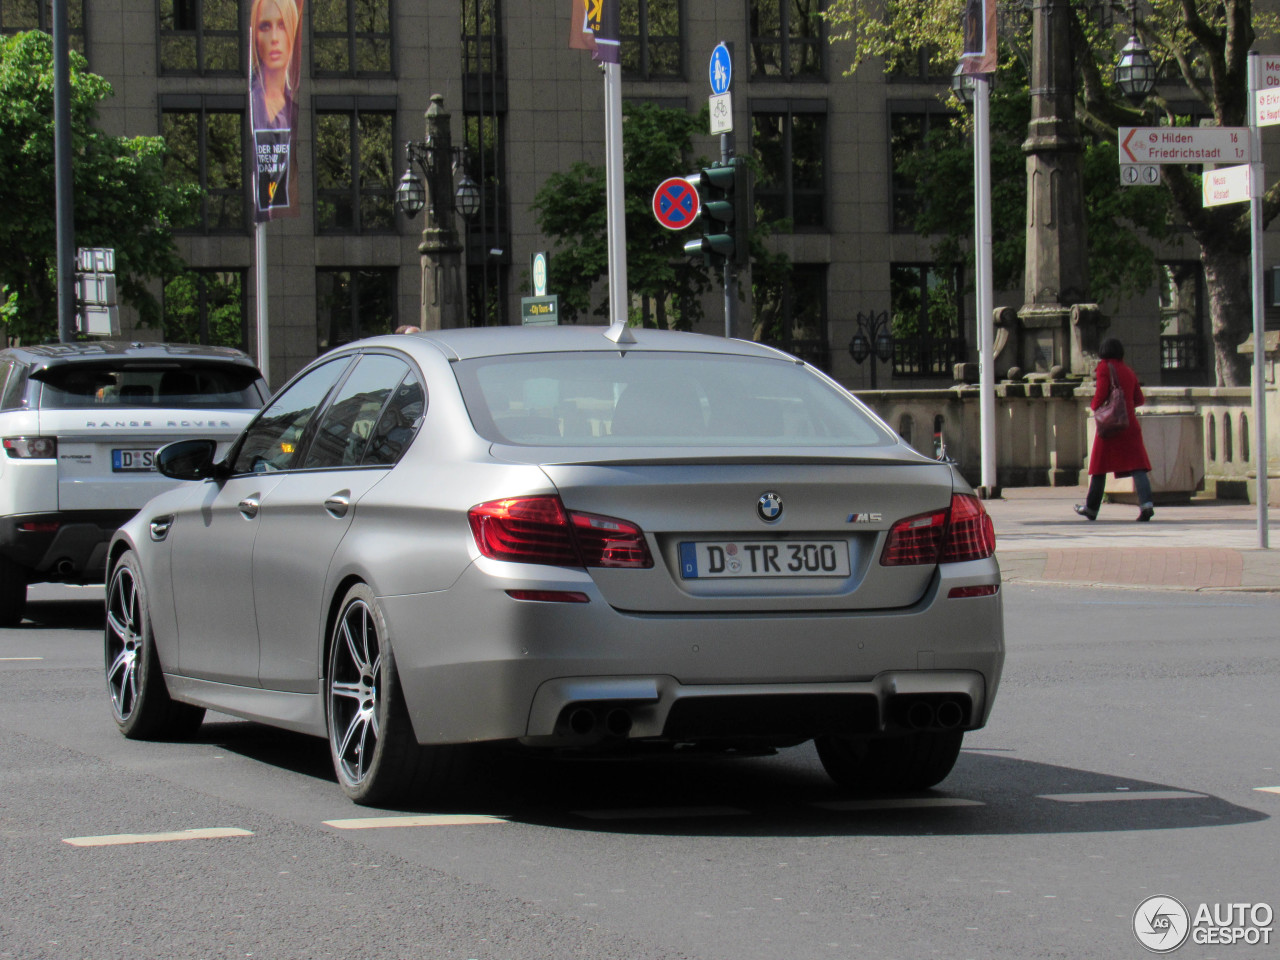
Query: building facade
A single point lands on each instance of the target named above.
(526, 106)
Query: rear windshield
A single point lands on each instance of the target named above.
(78, 386)
(659, 399)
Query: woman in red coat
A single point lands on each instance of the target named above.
(1123, 454)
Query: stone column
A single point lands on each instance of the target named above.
(442, 296)
(1057, 273)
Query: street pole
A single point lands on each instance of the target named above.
(260, 271)
(615, 208)
(986, 291)
(727, 146)
(64, 196)
(1256, 184)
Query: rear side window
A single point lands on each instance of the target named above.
(81, 386)
(659, 399)
(351, 420)
(15, 383)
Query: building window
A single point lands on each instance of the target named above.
(351, 38)
(486, 295)
(790, 146)
(17, 16)
(791, 311)
(206, 306)
(918, 66)
(205, 148)
(927, 319)
(355, 182)
(911, 133)
(1182, 320)
(786, 39)
(200, 37)
(482, 39)
(353, 303)
(650, 33)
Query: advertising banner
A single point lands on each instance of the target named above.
(275, 72)
(593, 25)
(979, 52)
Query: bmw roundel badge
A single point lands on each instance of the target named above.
(769, 507)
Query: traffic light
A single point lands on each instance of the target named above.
(725, 195)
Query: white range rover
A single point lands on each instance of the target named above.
(80, 424)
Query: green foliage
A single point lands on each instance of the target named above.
(121, 199)
(570, 207)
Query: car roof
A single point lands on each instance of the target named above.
(47, 355)
(472, 342)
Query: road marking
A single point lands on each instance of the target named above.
(659, 813)
(1268, 789)
(896, 803)
(21, 658)
(119, 839)
(430, 820)
(1122, 795)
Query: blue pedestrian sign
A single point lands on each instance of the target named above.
(721, 69)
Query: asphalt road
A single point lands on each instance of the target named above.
(1129, 753)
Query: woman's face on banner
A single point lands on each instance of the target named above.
(275, 46)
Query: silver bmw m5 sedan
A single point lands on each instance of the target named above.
(546, 537)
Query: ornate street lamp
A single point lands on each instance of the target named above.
(872, 327)
(1136, 71)
(411, 195)
(962, 85)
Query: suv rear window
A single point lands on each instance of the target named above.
(80, 386)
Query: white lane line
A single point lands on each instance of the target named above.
(659, 813)
(6, 659)
(898, 803)
(119, 839)
(1122, 795)
(1268, 789)
(431, 820)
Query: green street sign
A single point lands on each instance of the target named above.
(540, 311)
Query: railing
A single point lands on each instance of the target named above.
(934, 357)
(1184, 351)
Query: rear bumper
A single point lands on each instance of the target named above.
(478, 665)
(74, 552)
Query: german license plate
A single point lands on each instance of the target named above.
(133, 461)
(767, 558)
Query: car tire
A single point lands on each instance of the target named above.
(916, 761)
(140, 701)
(13, 592)
(376, 757)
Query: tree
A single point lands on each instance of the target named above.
(570, 207)
(1204, 44)
(121, 199)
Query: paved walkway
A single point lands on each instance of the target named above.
(1203, 545)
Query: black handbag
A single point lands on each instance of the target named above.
(1113, 416)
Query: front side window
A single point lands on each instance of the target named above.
(201, 37)
(18, 16)
(927, 319)
(208, 307)
(659, 399)
(354, 303)
(351, 38)
(205, 148)
(354, 177)
(347, 425)
(272, 441)
(790, 148)
(786, 39)
(650, 32)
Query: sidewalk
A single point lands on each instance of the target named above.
(1203, 545)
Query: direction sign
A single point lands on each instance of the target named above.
(1267, 105)
(1184, 145)
(1226, 185)
(675, 203)
(721, 69)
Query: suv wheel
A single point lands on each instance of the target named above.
(13, 592)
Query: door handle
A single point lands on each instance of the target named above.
(338, 503)
(249, 506)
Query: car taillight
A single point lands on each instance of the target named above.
(964, 532)
(540, 530)
(31, 448)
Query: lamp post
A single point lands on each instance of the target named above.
(872, 328)
(1136, 71)
(436, 157)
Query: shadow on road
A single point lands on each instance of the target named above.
(64, 614)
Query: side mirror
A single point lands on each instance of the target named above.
(188, 459)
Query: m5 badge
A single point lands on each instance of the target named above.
(865, 518)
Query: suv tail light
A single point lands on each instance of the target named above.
(962, 532)
(540, 530)
(31, 448)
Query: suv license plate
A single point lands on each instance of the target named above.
(133, 461)
(767, 558)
